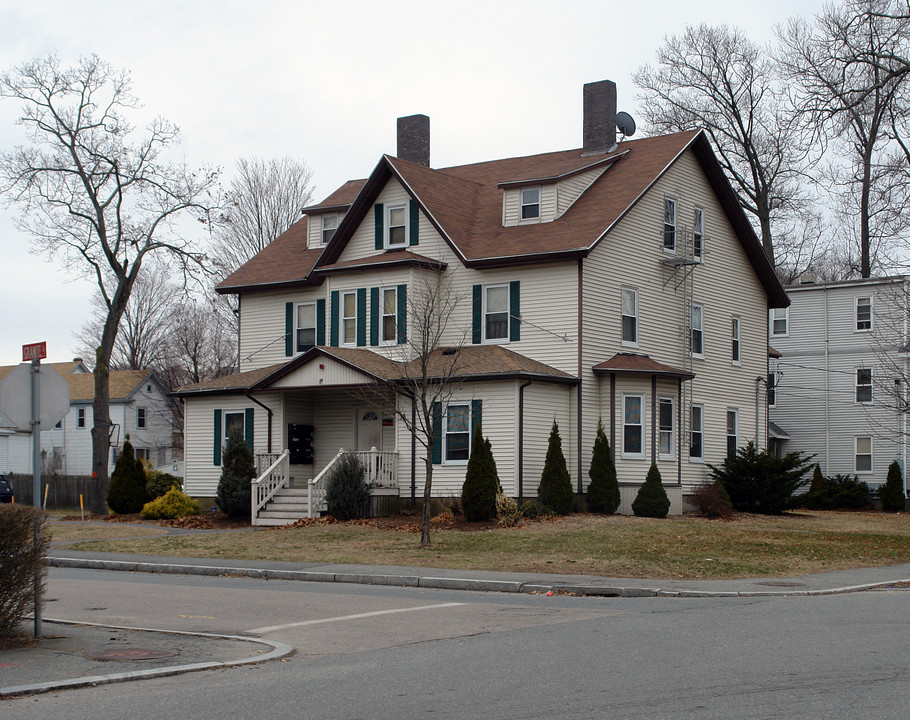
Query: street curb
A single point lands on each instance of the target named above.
(279, 650)
(446, 583)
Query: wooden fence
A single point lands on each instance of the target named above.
(62, 490)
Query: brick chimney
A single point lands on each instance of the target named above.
(414, 139)
(600, 117)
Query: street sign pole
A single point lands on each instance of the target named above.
(36, 481)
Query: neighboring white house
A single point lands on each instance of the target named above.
(619, 282)
(139, 407)
(840, 382)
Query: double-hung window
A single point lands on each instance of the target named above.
(306, 326)
(389, 324)
(735, 330)
(667, 428)
(862, 456)
(329, 226)
(396, 225)
(863, 313)
(457, 432)
(530, 203)
(630, 317)
(772, 389)
(233, 425)
(669, 224)
(496, 313)
(697, 434)
(80, 417)
(732, 431)
(140, 417)
(349, 318)
(633, 445)
(698, 330)
(698, 235)
(780, 321)
(864, 385)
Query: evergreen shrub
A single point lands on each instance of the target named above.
(839, 492)
(173, 504)
(603, 492)
(712, 500)
(481, 481)
(234, 494)
(892, 492)
(760, 482)
(652, 500)
(555, 490)
(157, 483)
(126, 493)
(347, 495)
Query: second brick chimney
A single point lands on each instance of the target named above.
(414, 139)
(599, 117)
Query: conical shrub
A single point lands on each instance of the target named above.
(481, 480)
(555, 490)
(652, 500)
(237, 469)
(126, 493)
(892, 492)
(603, 492)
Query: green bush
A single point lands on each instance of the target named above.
(173, 504)
(481, 481)
(712, 500)
(759, 482)
(529, 509)
(157, 483)
(21, 560)
(126, 493)
(234, 495)
(839, 492)
(603, 492)
(652, 500)
(555, 490)
(347, 495)
(507, 512)
(818, 480)
(892, 492)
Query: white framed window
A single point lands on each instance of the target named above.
(633, 425)
(863, 314)
(863, 385)
(780, 322)
(698, 330)
(862, 454)
(530, 203)
(329, 226)
(670, 224)
(80, 417)
(396, 225)
(388, 325)
(349, 318)
(496, 313)
(666, 421)
(630, 317)
(772, 389)
(736, 347)
(732, 431)
(142, 454)
(233, 423)
(697, 434)
(457, 433)
(140, 417)
(305, 334)
(698, 235)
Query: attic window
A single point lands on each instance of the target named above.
(329, 226)
(397, 225)
(530, 203)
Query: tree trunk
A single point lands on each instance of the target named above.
(101, 414)
(766, 239)
(865, 255)
(427, 486)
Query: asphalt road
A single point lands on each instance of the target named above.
(388, 652)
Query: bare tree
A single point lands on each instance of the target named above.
(265, 199)
(846, 74)
(716, 79)
(201, 345)
(98, 197)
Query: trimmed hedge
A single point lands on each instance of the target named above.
(652, 500)
(21, 559)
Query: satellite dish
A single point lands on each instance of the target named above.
(625, 124)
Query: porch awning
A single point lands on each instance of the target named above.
(777, 432)
(641, 365)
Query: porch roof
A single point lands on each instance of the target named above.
(633, 364)
(227, 384)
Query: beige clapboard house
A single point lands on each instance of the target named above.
(618, 282)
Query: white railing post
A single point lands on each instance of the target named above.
(268, 482)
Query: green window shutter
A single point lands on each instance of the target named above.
(320, 322)
(380, 235)
(216, 445)
(514, 311)
(477, 315)
(374, 316)
(248, 427)
(415, 223)
(437, 433)
(401, 324)
(333, 318)
(288, 329)
(476, 412)
(361, 317)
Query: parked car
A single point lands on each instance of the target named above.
(6, 492)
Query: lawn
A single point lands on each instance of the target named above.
(618, 546)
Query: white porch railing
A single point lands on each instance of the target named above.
(381, 468)
(269, 481)
(316, 486)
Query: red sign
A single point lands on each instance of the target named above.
(35, 351)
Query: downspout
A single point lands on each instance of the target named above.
(413, 453)
(827, 418)
(654, 438)
(679, 439)
(269, 412)
(521, 441)
(578, 420)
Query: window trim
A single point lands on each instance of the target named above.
(670, 228)
(634, 291)
(383, 315)
(387, 225)
(785, 319)
(641, 425)
(80, 417)
(445, 432)
(661, 401)
(297, 327)
(856, 454)
(735, 433)
(698, 230)
(701, 432)
(141, 418)
(342, 317)
(483, 316)
(522, 204)
(736, 343)
(330, 230)
(701, 330)
(857, 386)
(856, 320)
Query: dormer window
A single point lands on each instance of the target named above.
(530, 203)
(329, 226)
(396, 225)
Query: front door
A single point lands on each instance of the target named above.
(369, 429)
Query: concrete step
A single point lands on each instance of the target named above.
(274, 522)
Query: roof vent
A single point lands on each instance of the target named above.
(808, 279)
(414, 139)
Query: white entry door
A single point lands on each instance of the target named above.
(369, 429)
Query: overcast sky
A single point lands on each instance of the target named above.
(324, 82)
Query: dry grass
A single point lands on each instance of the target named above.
(618, 546)
(72, 531)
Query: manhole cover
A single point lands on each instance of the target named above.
(132, 654)
(781, 583)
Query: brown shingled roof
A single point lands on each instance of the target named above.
(237, 382)
(122, 383)
(64, 368)
(630, 363)
(388, 258)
